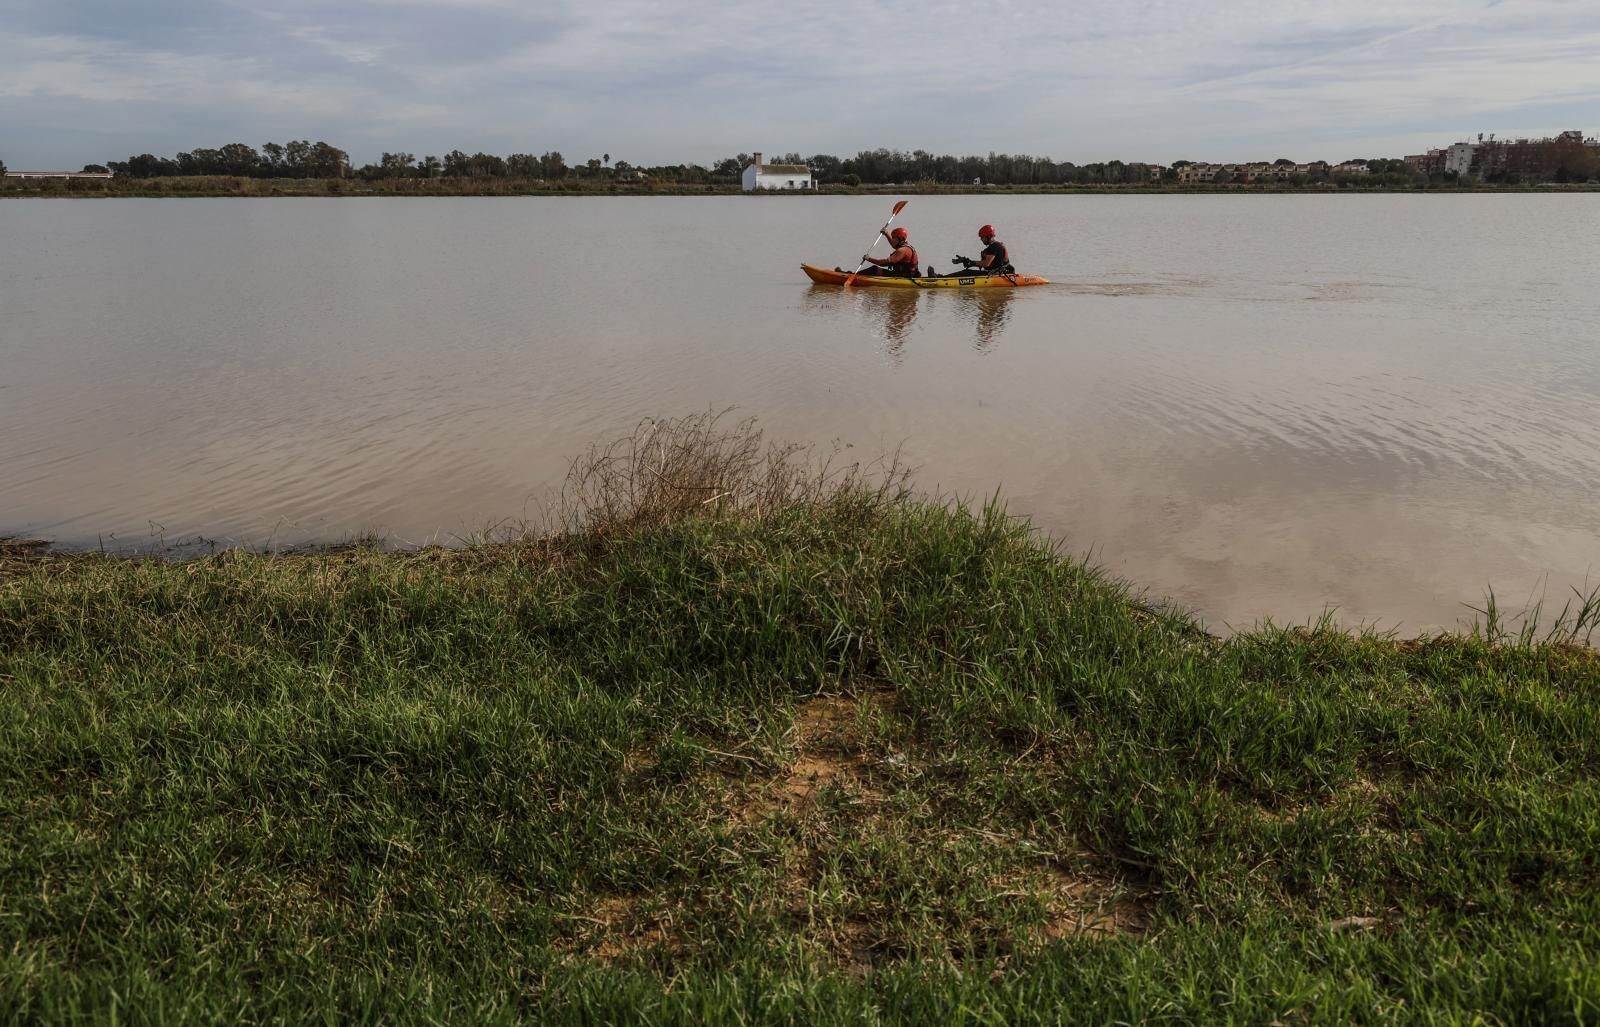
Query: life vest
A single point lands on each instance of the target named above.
(911, 266)
(1001, 264)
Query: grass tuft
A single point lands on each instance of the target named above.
(670, 469)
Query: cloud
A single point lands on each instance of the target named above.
(653, 80)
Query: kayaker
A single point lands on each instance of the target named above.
(994, 260)
(902, 263)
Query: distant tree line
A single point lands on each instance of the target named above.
(295, 159)
(900, 167)
(305, 159)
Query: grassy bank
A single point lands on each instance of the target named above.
(754, 743)
(225, 185)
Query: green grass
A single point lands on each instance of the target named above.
(852, 758)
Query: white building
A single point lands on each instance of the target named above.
(775, 176)
(1459, 158)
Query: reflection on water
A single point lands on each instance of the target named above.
(886, 314)
(1255, 405)
(889, 314)
(987, 311)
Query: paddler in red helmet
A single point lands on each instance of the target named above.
(994, 260)
(902, 263)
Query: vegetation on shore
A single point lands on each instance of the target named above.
(749, 740)
(303, 168)
(1568, 158)
(228, 185)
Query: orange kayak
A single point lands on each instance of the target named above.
(828, 276)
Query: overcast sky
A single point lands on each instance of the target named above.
(652, 81)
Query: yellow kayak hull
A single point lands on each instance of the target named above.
(828, 276)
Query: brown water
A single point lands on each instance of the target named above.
(1256, 406)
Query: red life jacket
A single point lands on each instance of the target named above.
(911, 266)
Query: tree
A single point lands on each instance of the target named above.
(1281, 162)
(396, 165)
(296, 154)
(238, 159)
(144, 166)
(327, 161)
(552, 165)
(88, 169)
(430, 167)
(486, 165)
(825, 166)
(200, 161)
(2, 168)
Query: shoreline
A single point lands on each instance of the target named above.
(22, 556)
(211, 187)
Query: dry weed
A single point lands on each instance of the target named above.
(672, 468)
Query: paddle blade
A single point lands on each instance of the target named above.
(899, 207)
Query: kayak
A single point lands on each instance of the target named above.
(828, 276)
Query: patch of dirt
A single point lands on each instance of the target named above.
(1089, 904)
(810, 774)
(1363, 786)
(619, 928)
(832, 784)
(639, 761)
(1353, 924)
(829, 752)
(853, 947)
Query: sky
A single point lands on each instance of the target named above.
(654, 82)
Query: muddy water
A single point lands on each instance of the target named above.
(1256, 406)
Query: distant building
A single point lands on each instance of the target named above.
(775, 176)
(1493, 160)
(1252, 172)
(58, 174)
(1458, 159)
(1199, 172)
(1280, 172)
(1430, 163)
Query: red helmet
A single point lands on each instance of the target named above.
(899, 235)
(986, 232)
